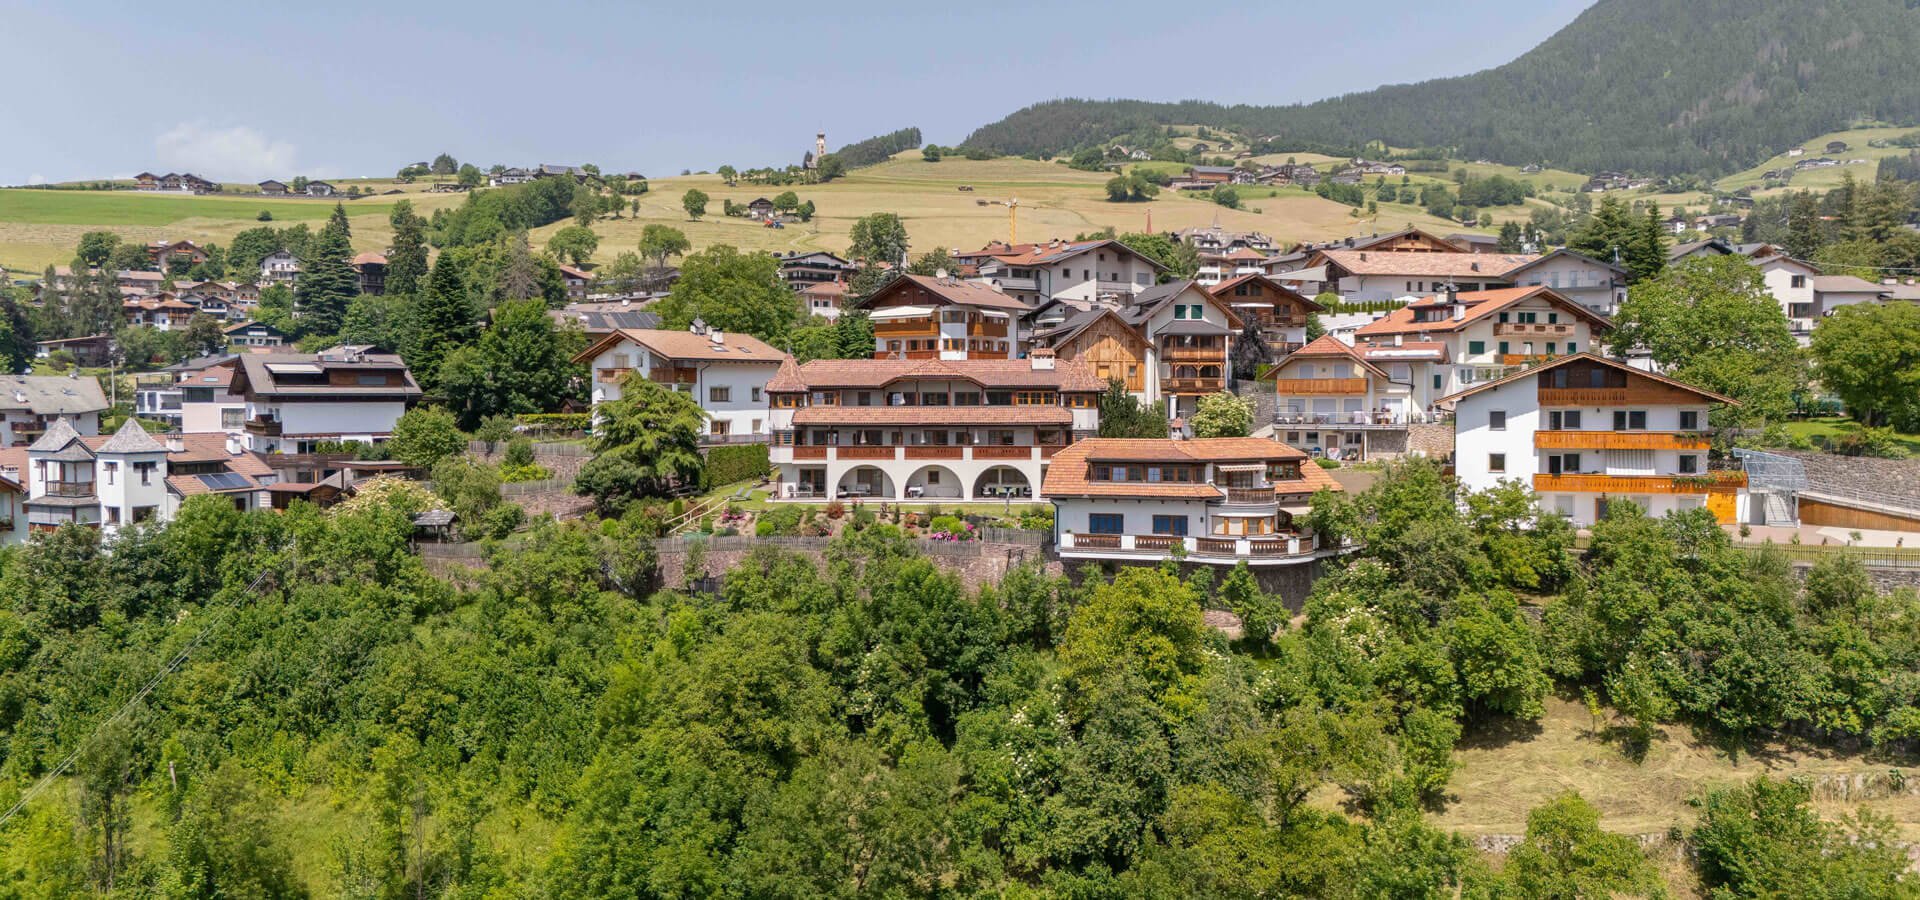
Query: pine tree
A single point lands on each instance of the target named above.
(327, 280)
(1647, 254)
(443, 321)
(407, 261)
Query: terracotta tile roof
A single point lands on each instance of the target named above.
(210, 446)
(1427, 265)
(686, 345)
(1067, 474)
(1044, 253)
(366, 258)
(1224, 289)
(1327, 346)
(1012, 374)
(933, 415)
(1479, 305)
(959, 293)
(825, 289)
(1406, 350)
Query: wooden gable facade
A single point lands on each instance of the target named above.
(1112, 349)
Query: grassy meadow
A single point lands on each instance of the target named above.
(1829, 178)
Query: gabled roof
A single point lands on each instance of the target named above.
(1067, 474)
(131, 438)
(1049, 252)
(56, 438)
(1564, 252)
(52, 395)
(1222, 290)
(1589, 356)
(685, 345)
(951, 290)
(1327, 346)
(257, 376)
(1149, 302)
(1427, 265)
(1845, 284)
(1479, 305)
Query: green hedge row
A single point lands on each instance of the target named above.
(736, 462)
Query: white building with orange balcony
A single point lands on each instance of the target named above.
(1585, 431)
(953, 430)
(1487, 335)
(1212, 500)
(942, 317)
(1330, 400)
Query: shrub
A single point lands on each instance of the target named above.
(501, 520)
(862, 517)
(519, 453)
(763, 528)
(836, 509)
(1037, 519)
(528, 472)
(555, 423)
(1326, 463)
(952, 527)
(736, 462)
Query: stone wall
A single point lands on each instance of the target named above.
(994, 561)
(1432, 440)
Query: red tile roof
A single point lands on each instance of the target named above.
(678, 345)
(933, 415)
(951, 290)
(1067, 474)
(1427, 265)
(1479, 305)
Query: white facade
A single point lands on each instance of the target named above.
(1582, 448)
(279, 266)
(1595, 287)
(312, 421)
(733, 394)
(1791, 283)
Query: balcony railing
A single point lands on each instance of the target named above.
(1205, 355)
(987, 329)
(1614, 396)
(906, 354)
(1246, 496)
(1320, 386)
(1201, 548)
(1524, 359)
(1354, 419)
(668, 375)
(1193, 385)
(1524, 328)
(69, 489)
(885, 453)
(906, 328)
(1621, 440)
(264, 427)
(610, 376)
(1711, 482)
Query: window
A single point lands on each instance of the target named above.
(719, 394)
(1496, 462)
(755, 395)
(1571, 461)
(1549, 348)
(1503, 318)
(1689, 464)
(1179, 311)
(1689, 420)
(1799, 281)
(1629, 420)
(931, 399)
(933, 475)
(1475, 348)
(232, 418)
(718, 426)
(113, 468)
(1106, 523)
(1173, 525)
(1437, 381)
(1503, 348)
(370, 380)
(146, 472)
(1572, 348)
(1563, 420)
(1497, 420)
(1553, 318)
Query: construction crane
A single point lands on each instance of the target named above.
(1013, 218)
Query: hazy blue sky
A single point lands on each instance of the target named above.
(243, 91)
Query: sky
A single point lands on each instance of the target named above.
(246, 91)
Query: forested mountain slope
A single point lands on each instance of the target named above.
(1661, 86)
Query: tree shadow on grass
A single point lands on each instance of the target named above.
(1495, 732)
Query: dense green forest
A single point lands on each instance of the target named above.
(1653, 86)
(875, 150)
(346, 724)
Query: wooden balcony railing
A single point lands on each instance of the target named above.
(1319, 386)
(1251, 496)
(672, 375)
(1620, 440)
(810, 451)
(934, 451)
(1205, 355)
(906, 328)
(1712, 482)
(1503, 328)
(1524, 359)
(610, 376)
(264, 427)
(1616, 396)
(868, 453)
(990, 451)
(986, 329)
(1193, 385)
(69, 489)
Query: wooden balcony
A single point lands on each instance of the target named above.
(904, 328)
(1525, 359)
(1193, 385)
(906, 354)
(867, 453)
(672, 375)
(1620, 440)
(263, 427)
(1215, 356)
(986, 329)
(809, 451)
(1617, 396)
(935, 451)
(1251, 496)
(1319, 386)
(1531, 328)
(1710, 483)
(69, 489)
(610, 376)
(990, 451)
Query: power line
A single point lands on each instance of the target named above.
(172, 664)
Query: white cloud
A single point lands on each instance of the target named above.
(237, 153)
(36, 178)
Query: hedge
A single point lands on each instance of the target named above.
(736, 462)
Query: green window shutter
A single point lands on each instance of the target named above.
(1476, 347)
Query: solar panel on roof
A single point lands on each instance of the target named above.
(224, 481)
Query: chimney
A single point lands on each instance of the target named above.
(175, 444)
(716, 335)
(1459, 311)
(1041, 359)
(234, 447)
(1398, 339)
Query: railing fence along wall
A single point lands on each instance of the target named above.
(1160, 544)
